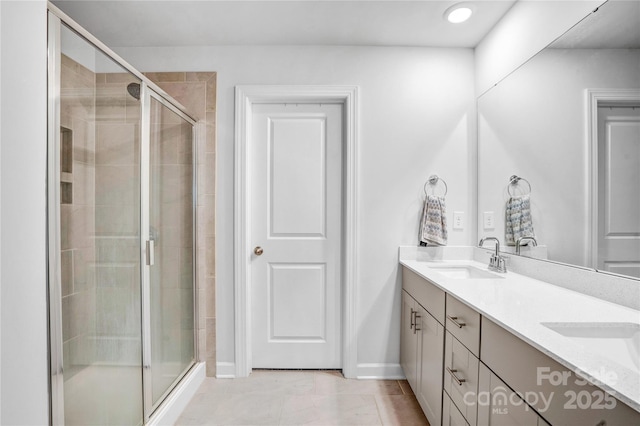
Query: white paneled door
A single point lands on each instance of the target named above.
(619, 190)
(296, 228)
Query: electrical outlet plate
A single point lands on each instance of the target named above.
(489, 220)
(458, 220)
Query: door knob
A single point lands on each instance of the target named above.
(258, 251)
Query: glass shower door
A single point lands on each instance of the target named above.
(121, 197)
(171, 231)
(95, 182)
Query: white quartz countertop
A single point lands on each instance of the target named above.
(521, 304)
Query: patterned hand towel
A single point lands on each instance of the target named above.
(433, 226)
(518, 219)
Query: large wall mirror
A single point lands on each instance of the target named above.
(568, 123)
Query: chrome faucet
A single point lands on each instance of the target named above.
(497, 262)
(520, 240)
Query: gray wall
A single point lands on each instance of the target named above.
(422, 126)
(417, 117)
(23, 249)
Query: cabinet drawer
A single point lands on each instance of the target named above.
(450, 414)
(520, 365)
(500, 406)
(461, 377)
(425, 293)
(464, 323)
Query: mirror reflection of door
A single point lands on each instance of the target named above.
(619, 189)
(532, 123)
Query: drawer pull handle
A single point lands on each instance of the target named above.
(415, 325)
(413, 319)
(453, 374)
(456, 322)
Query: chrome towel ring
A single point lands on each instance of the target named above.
(433, 181)
(514, 181)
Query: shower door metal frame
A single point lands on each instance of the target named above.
(146, 94)
(148, 89)
(54, 273)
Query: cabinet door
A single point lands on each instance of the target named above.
(430, 350)
(450, 414)
(498, 405)
(408, 342)
(527, 370)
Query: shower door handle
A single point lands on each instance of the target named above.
(150, 252)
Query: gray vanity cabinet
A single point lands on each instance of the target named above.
(567, 401)
(422, 343)
(486, 376)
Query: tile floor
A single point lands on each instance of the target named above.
(302, 398)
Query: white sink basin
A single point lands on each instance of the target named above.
(464, 272)
(617, 341)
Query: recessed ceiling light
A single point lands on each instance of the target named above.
(458, 13)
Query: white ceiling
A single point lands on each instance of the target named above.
(149, 23)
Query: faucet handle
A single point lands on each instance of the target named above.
(497, 263)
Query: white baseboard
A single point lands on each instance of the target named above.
(226, 370)
(174, 405)
(380, 371)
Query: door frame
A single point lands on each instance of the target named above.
(245, 97)
(594, 99)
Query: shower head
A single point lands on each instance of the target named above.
(134, 90)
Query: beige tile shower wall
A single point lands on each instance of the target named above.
(196, 91)
(77, 218)
(117, 204)
(171, 215)
(100, 254)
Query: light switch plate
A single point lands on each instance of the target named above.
(489, 220)
(458, 220)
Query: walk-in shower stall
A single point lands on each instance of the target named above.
(121, 196)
